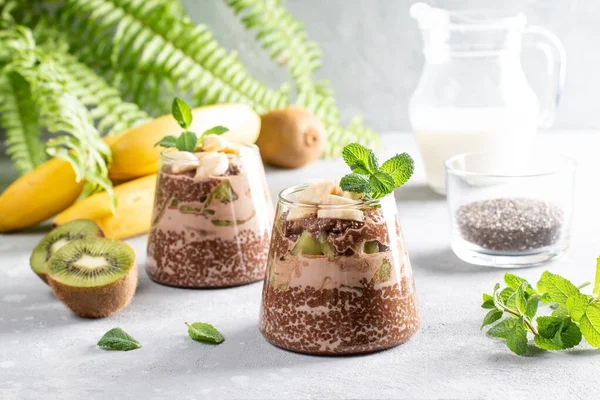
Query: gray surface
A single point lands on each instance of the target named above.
(46, 352)
(372, 51)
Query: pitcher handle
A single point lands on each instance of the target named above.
(556, 58)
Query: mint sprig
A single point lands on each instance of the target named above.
(368, 178)
(187, 141)
(512, 313)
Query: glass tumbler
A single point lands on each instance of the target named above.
(513, 216)
(339, 279)
(210, 231)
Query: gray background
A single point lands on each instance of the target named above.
(372, 51)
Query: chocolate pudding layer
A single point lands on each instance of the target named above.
(357, 296)
(212, 231)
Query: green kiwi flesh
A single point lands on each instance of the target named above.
(56, 239)
(94, 277)
(306, 245)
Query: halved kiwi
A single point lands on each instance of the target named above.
(56, 239)
(94, 277)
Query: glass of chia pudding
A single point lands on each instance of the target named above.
(507, 214)
(339, 279)
(212, 217)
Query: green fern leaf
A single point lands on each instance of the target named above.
(19, 118)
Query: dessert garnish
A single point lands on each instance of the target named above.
(574, 314)
(203, 332)
(118, 339)
(187, 141)
(368, 177)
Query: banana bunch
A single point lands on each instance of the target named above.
(51, 188)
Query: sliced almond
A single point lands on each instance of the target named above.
(212, 164)
(342, 213)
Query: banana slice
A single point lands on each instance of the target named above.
(316, 192)
(342, 213)
(301, 212)
(214, 143)
(185, 161)
(350, 195)
(212, 164)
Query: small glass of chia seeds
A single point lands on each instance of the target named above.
(508, 214)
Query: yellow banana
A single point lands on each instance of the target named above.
(134, 209)
(51, 187)
(135, 155)
(37, 196)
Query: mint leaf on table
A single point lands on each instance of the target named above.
(557, 333)
(488, 301)
(203, 332)
(576, 306)
(167, 141)
(597, 281)
(532, 307)
(400, 167)
(182, 113)
(520, 299)
(501, 329)
(118, 339)
(516, 337)
(590, 324)
(187, 141)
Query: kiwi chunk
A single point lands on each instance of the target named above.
(326, 248)
(56, 239)
(371, 247)
(94, 277)
(306, 245)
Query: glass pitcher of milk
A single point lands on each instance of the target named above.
(473, 95)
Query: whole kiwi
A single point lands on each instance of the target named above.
(291, 137)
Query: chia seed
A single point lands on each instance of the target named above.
(513, 225)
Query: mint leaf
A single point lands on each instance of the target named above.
(571, 336)
(373, 163)
(360, 159)
(514, 281)
(382, 183)
(187, 141)
(560, 312)
(501, 329)
(400, 167)
(355, 183)
(532, 307)
(597, 282)
(215, 130)
(557, 333)
(498, 300)
(520, 300)
(516, 337)
(576, 305)
(182, 113)
(488, 301)
(167, 141)
(590, 324)
(203, 332)
(558, 288)
(117, 339)
(491, 317)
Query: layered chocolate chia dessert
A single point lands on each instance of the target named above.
(212, 215)
(339, 279)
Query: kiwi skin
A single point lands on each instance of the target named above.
(291, 137)
(97, 302)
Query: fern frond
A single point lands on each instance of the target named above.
(107, 109)
(279, 32)
(147, 37)
(59, 111)
(19, 118)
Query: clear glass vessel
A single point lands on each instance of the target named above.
(209, 230)
(338, 285)
(500, 218)
(473, 94)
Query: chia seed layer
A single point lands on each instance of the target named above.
(339, 321)
(212, 232)
(510, 225)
